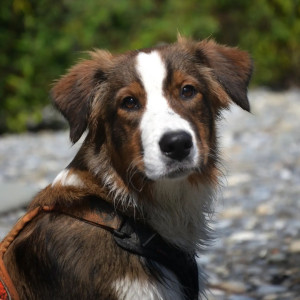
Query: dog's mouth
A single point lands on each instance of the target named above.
(179, 173)
(176, 173)
(170, 169)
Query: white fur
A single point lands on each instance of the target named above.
(128, 289)
(64, 178)
(158, 119)
(181, 212)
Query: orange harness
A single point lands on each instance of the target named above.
(110, 222)
(7, 288)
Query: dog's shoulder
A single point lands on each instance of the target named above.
(69, 188)
(64, 250)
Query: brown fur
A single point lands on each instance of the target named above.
(56, 257)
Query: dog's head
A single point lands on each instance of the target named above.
(154, 110)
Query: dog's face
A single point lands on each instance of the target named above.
(154, 110)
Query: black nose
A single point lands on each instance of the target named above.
(176, 144)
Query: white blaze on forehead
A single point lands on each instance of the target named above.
(153, 72)
(159, 118)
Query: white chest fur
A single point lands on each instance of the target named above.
(133, 289)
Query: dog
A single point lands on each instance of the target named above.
(129, 214)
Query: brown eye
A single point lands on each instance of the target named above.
(188, 92)
(130, 103)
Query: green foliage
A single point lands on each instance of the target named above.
(40, 39)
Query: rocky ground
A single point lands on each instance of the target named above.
(256, 253)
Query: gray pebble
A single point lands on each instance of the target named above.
(267, 290)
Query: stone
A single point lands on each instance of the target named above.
(265, 209)
(243, 236)
(232, 213)
(240, 297)
(234, 287)
(295, 246)
(266, 290)
(277, 258)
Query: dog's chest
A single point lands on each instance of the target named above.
(133, 289)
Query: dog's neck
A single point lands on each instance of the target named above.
(179, 211)
(176, 208)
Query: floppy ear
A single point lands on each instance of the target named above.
(73, 93)
(231, 67)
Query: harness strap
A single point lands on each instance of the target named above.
(130, 235)
(7, 288)
(108, 221)
(142, 240)
(19, 226)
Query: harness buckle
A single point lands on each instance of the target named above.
(120, 234)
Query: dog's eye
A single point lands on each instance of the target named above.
(188, 92)
(130, 103)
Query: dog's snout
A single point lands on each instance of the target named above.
(176, 144)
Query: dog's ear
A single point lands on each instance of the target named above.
(231, 67)
(73, 93)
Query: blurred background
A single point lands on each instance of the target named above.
(256, 253)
